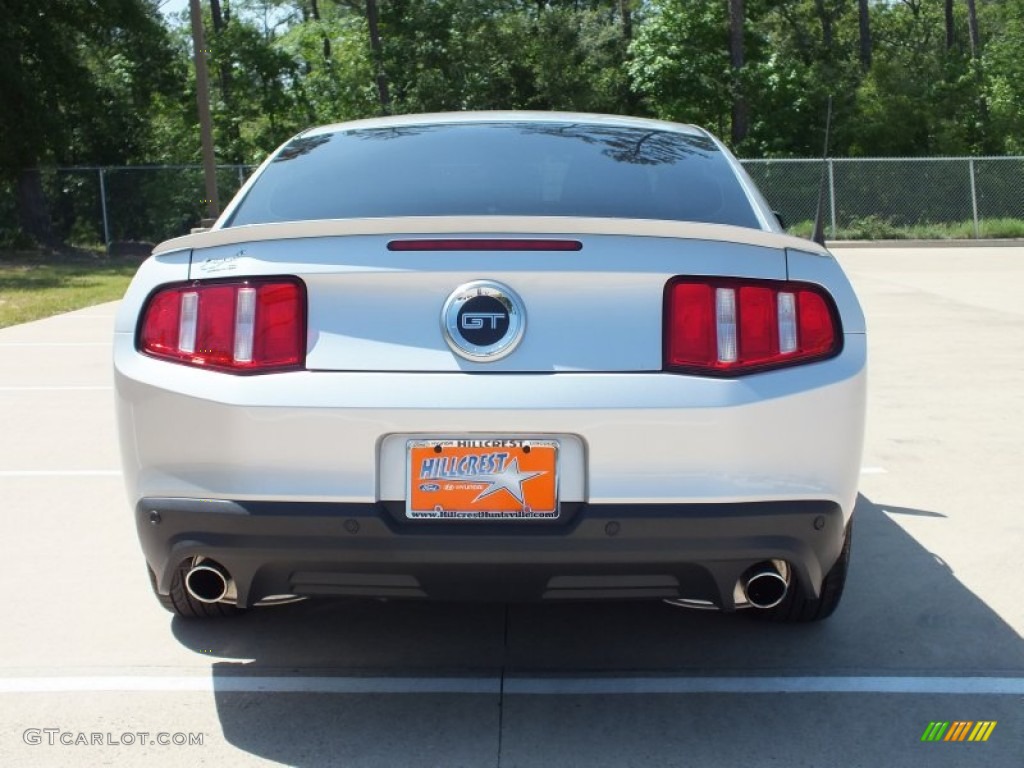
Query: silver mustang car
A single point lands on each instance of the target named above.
(494, 356)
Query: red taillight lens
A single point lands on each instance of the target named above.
(488, 244)
(248, 326)
(730, 326)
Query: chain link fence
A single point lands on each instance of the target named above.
(865, 198)
(898, 197)
(92, 205)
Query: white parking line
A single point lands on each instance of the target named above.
(55, 343)
(60, 473)
(56, 389)
(532, 686)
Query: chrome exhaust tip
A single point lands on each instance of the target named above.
(208, 581)
(766, 584)
(692, 603)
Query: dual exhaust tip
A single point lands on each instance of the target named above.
(763, 585)
(766, 584)
(209, 582)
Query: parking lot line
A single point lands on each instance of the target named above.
(107, 388)
(531, 686)
(55, 343)
(60, 473)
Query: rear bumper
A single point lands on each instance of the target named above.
(637, 438)
(595, 551)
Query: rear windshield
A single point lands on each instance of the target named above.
(499, 169)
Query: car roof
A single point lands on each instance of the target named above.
(505, 116)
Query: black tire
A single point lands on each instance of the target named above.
(181, 603)
(796, 608)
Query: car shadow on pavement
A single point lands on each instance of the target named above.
(904, 614)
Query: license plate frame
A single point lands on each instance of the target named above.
(482, 479)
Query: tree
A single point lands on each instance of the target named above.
(373, 25)
(679, 63)
(77, 82)
(950, 21)
(919, 97)
(1004, 73)
(972, 29)
(864, 27)
(737, 17)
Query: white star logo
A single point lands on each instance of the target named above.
(508, 479)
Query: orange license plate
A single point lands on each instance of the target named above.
(499, 479)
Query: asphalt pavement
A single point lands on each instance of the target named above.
(94, 672)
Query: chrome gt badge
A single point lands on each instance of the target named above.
(483, 321)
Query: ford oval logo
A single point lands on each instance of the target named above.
(483, 321)
(429, 487)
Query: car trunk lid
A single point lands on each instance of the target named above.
(376, 301)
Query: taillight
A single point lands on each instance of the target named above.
(487, 244)
(249, 326)
(731, 326)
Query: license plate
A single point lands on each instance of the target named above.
(499, 479)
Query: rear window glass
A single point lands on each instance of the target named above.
(499, 169)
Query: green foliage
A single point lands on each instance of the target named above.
(1004, 65)
(78, 80)
(481, 54)
(111, 82)
(880, 228)
(681, 65)
(918, 98)
(334, 89)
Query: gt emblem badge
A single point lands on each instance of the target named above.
(483, 321)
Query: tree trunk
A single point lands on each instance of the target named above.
(378, 56)
(217, 16)
(221, 17)
(33, 209)
(950, 25)
(979, 78)
(864, 18)
(315, 8)
(626, 11)
(972, 27)
(826, 24)
(739, 103)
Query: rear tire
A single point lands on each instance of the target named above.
(796, 608)
(181, 603)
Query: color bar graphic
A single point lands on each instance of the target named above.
(958, 730)
(982, 730)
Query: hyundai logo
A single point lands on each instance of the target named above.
(483, 321)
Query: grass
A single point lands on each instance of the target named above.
(36, 284)
(878, 228)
